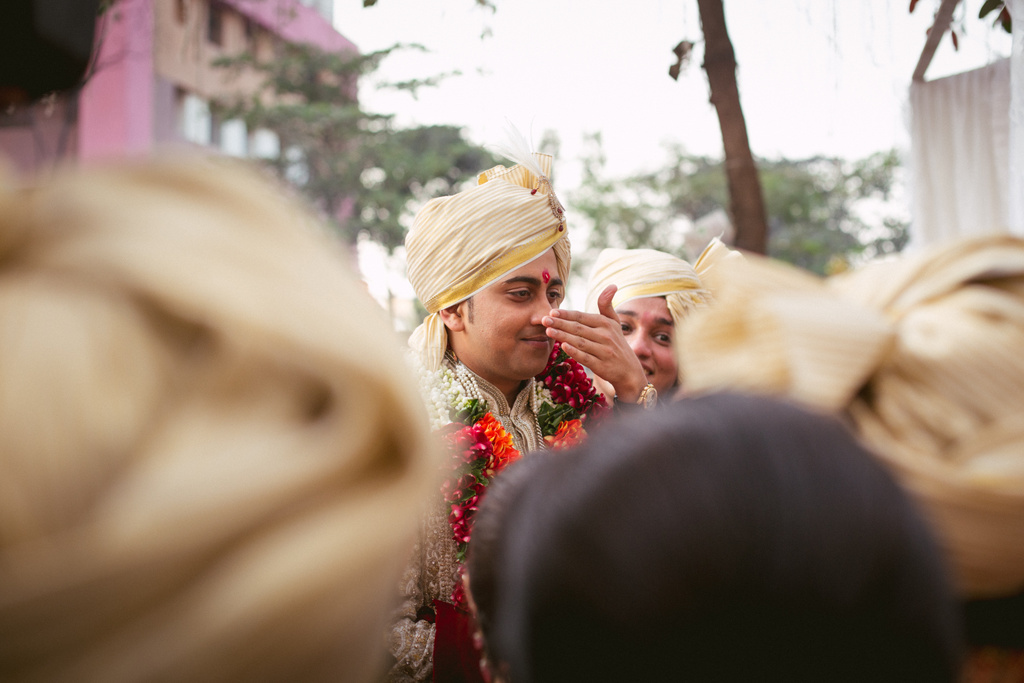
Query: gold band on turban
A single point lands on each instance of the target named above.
(462, 243)
(642, 273)
(924, 355)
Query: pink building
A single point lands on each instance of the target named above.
(153, 80)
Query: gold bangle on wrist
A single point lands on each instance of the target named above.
(648, 397)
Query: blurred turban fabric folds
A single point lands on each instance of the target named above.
(923, 355)
(211, 464)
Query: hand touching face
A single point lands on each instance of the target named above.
(596, 341)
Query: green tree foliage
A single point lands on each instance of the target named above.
(818, 210)
(411, 164)
(641, 210)
(355, 166)
(823, 213)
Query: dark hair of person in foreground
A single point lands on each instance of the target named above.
(724, 538)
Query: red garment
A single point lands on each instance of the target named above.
(456, 657)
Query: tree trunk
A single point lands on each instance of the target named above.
(746, 203)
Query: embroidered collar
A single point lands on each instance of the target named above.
(562, 397)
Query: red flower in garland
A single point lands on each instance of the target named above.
(572, 393)
(568, 383)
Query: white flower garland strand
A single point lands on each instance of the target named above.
(541, 395)
(444, 395)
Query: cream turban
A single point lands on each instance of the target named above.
(924, 355)
(211, 460)
(460, 244)
(641, 273)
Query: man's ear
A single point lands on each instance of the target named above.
(453, 317)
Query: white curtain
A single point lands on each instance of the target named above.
(960, 154)
(1016, 182)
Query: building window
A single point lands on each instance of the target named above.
(215, 24)
(263, 46)
(195, 124)
(264, 144)
(234, 138)
(296, 170)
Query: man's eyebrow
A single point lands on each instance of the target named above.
(522, 279)
(657, 321)
(532, 281)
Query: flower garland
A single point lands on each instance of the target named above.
(564, 399)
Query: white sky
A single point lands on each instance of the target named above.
(815, 76)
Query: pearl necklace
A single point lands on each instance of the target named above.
(470, 388)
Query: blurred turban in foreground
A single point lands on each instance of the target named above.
(210, 462)
(925, 356)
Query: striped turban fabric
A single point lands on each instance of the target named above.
(922, 355)
(460, 244)
(641, 273)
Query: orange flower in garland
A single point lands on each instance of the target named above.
(570, 433)
(501, 442)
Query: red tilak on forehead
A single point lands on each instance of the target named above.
(545, 275)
